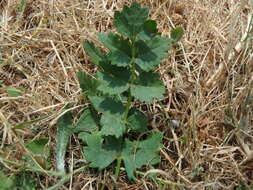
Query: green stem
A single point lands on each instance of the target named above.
(66, 178)
(33, 169)
(128, 105)
(132, 78)
(161, 180)
(117, 170)
(129, 99)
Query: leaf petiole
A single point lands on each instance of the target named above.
(117, 169)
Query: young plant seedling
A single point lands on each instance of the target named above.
(111, 127)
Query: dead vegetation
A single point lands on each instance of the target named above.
(206, 115)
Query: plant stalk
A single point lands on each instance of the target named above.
(117, 170)
(129, 99)
(132, 78)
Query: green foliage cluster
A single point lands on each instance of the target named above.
(19, 181)
(125, 75)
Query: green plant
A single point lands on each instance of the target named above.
(19, 181)
(243, 186)
(110, 125)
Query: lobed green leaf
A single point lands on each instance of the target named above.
(87, 84)
(120, 51)
(150, 53)
(112, 125)
(88, 122)
(107, 105)
(137, 121)
(98, 154)
(148, 87)
(95, 54)
(113, 80)
(129, 22)
(110, 84)
(149, 30)
(127, 154)
(139, 153)
(112, 118)
(102, 151)
(147, 153)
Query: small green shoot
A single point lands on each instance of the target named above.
(111, 127)
(177, 34)
(28, 123)
(41, 152)
(14, 92)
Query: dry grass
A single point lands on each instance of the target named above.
(208, 75)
